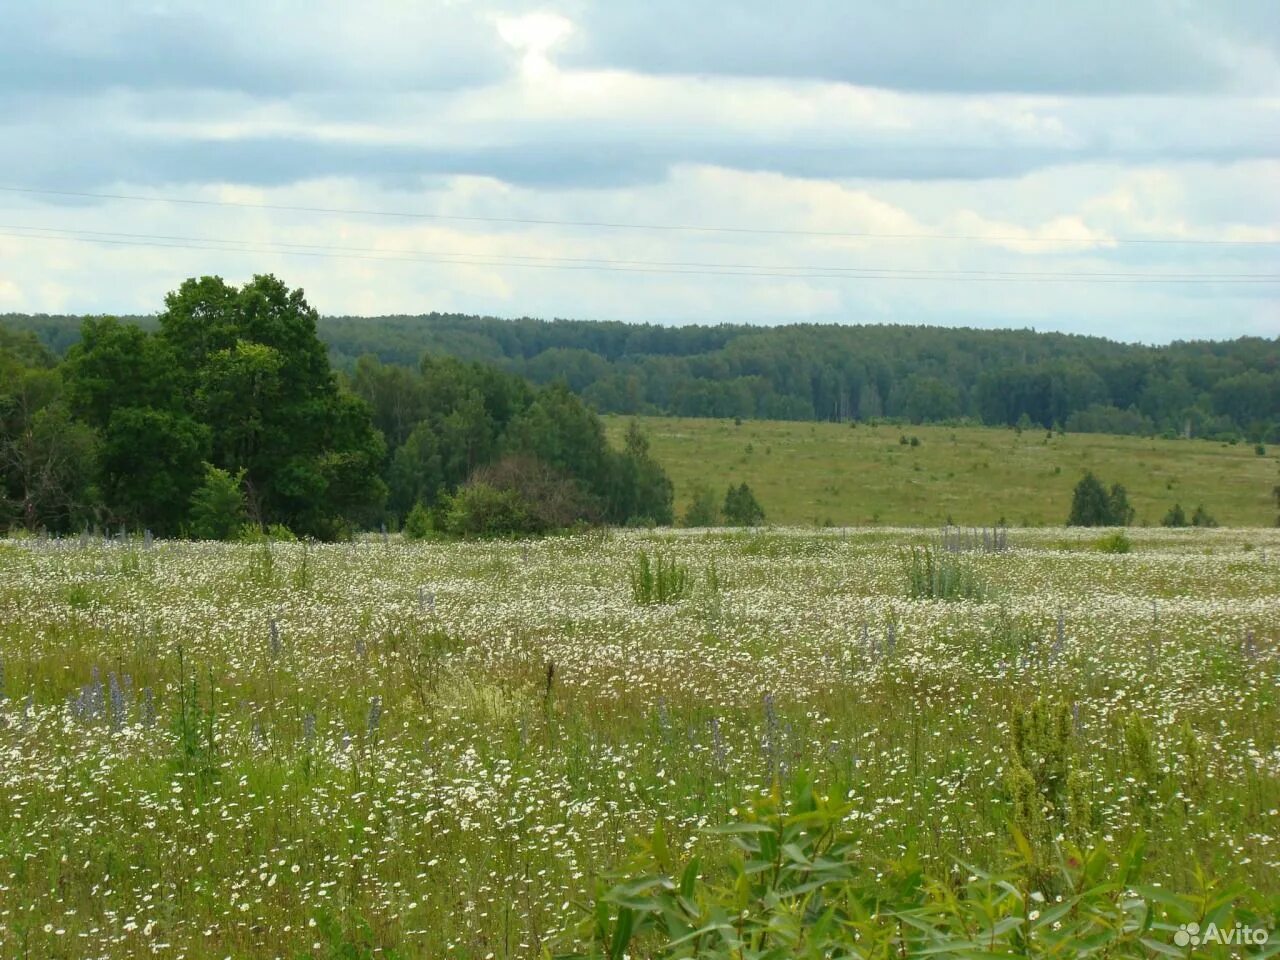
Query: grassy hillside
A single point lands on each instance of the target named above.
(805, 473)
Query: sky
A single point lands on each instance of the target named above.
(1092, 167)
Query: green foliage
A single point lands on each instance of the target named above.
(1104, 418)
(659, 579)
(806, 372)
(48, 460)
(1202, 518)
(417, 525)
(703, 510)
(479, 510)
(456, 423)
(552, 500)
(235, 376)
(1117, 542)
(218, 505)
(796, 886)
(150, 464)
(936, 574)
(354, 941)
(1093, 506)
(641, 490)
(741, 509)
(1177, 517)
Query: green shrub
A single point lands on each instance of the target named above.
(1117, 542)
(703, 511)
(1201, 518)
(1176, 517)
(935, 574)
(551, 499)
(250, 533)
(479, 510)
(1093, 506)
(417, 525)
(741, 509)
(217, 505)
(658, 580)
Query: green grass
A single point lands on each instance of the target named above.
(816, 473)
(448, 748)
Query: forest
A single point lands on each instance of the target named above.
(1216, 389)
(224, 414)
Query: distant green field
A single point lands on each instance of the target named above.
(815, 473)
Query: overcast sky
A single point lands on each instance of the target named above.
(954, 162)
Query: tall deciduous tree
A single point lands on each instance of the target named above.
(258, 377)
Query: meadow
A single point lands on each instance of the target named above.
(838, 474)
(261, 750)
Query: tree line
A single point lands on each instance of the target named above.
(225, 410)
(1218, 389)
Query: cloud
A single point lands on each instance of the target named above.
(271, 49)
(1014, 123)
(1085, 47)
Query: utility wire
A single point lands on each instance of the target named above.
(618, 266)
(449, 256)
(610, 225)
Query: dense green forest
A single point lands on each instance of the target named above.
(812, 372)
(223, 416)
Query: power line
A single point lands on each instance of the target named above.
(610, 225)
(449, 256)
(678, 268)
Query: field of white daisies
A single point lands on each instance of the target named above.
(284, 750)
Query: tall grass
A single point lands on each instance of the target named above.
(659, 579)
(937, 574)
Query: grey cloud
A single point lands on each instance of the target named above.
(67, 48)
(1081, 47)
(85, 150)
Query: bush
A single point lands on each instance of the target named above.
(274, 533)
(217, 505)
(417, 525)
(703, 511)
(1117, 542)
(741, 509)
(552, 500)
(1176, 517)
(1093, 506)
(1201, 518)
(478, 510)
(659, 580)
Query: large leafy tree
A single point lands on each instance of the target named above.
(127, 385)
(258, 378)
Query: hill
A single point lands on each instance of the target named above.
(816, 473)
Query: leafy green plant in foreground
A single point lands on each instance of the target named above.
(795, 887)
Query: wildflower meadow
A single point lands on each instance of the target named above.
(427, 749)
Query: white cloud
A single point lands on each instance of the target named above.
(472, 110)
